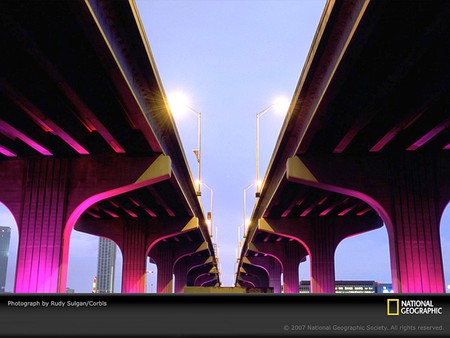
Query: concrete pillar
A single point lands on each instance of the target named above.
(44, 206)
(196, 276)
(259, 272)
(322, 248)
(48, 195)
(182, 268)
(273, 268)
(291, 262)
(275, 276)
(134, 257)
(166, 256)
(164, 261)
(320, 236)
(290, 255)
(408, 190)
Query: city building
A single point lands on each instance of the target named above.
(5, 237)
(352, 286)
(106, 266)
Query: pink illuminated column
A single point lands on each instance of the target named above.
(134, 257)
(290, 272)
(40, 227)
(181, 271)
(275, 276)
(164, 261)
(415, 239)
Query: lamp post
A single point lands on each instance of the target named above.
(178, 103)
(211, 206)
(244, 207)
(281, 104)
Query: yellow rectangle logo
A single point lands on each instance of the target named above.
(393, 307)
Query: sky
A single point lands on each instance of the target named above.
(232, 58)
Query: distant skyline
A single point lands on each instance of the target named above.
(232, 58)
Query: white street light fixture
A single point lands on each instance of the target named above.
(209, 218)
(281, 105)
(246, 222)
(179, 103)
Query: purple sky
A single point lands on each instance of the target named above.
(232, 59)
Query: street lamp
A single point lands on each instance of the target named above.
(178, 103)
(210, 214)
(244, 207)
(281, 105)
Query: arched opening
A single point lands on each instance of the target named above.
(445, 245)
(9, 244)
(84, 263)
(365, 257)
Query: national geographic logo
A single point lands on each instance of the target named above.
(395, 307)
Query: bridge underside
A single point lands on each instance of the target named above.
(368, 136)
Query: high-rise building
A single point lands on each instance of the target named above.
(106, 265)
(5, 236)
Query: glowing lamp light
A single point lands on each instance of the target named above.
(178, 103)
(281, 105)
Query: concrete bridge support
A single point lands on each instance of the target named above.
(182, 268)
(320, 236)
(166, 256)
(409, 192)
(47, 196)
(289, 255)
(272, 266)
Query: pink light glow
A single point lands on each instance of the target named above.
(115, 205)
(346, 211)
(134, 202)
(170, 212)
(5, 151)
(327, 210)
(129, 212)
(322, 201)
(362, 212)
(13, 133)
(151, 213)
(428, 136)
(110, 213)
(385, 140)
(307, 211)
(92, 214)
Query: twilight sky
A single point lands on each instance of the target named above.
(232, 58)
